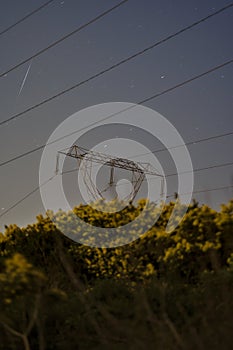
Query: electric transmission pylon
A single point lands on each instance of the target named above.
(86, 160)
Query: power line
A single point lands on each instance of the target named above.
(25, 197)
(202, 191)
(38, 53)
(201, 169)
(187, 81)
(169, 175)
(70, 171)
(143, 101)
(128, 58)
(110, 116)
(26, 17)
(18, 115)
(22, 155)
(185, 144)
(169, 196)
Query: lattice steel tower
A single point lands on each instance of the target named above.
(86, 160)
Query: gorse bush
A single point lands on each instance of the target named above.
(161, 291)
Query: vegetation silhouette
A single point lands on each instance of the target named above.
(161, 291)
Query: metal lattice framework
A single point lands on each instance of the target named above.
(86, 159)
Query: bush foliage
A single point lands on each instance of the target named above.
(161, 291)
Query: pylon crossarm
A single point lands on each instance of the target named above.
(86, 159)
(116, 162)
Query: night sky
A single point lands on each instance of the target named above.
(198, 110)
